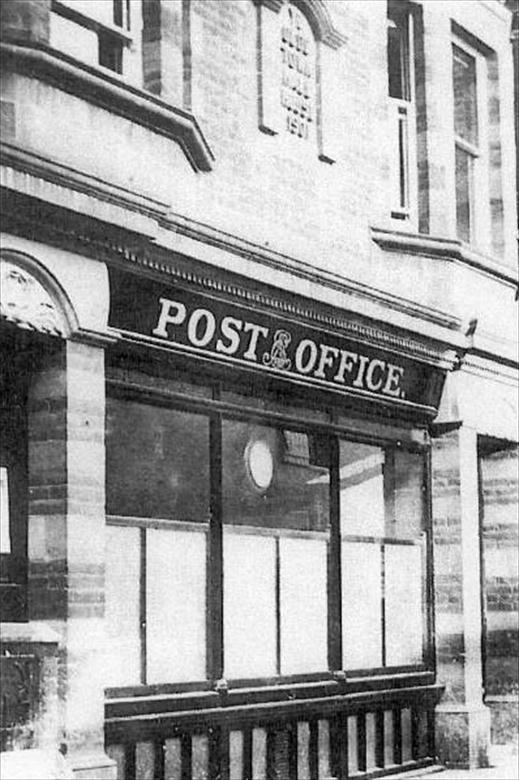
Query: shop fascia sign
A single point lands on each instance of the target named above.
(196, 323)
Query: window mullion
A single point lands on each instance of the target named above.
(430, 648)
(335, 660)
(143, 605)
(215, 556)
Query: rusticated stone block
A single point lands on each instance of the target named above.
(25, 21)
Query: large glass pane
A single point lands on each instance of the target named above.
(303, 605)
(405, 562)
(361, 605)
(157, 462)
(122, 606)
(464, 174)
(249, 605)
(381, 513)
(361, 489)
(398, 55)
(175, 605)
(404, 577)
(406, 519)
(276, 480)
(465, 95)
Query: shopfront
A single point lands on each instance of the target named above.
(268, 569)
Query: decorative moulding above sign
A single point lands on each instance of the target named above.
(113, 94)
(318, 17)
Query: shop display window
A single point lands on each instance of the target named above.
(158, 513)
(158, 461)
(250, 549)
(383, 555)
(276, 529)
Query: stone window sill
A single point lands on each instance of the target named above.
(106, 90)
(448, 249)
(32, 632)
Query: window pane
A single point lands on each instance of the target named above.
(157, 462)
(122, 606)
(398, 57)
(73, 39)
(381, 496)
(464, 165)
(361, 605)
(277, 480)
(101, 10)
(403, 177)
(303, 605)
(465, 96)
(404, 578)
(361, 489)
(249, 605)
(406, 521)
(175, 605)
(274, 478)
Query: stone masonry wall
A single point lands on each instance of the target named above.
(499, 476)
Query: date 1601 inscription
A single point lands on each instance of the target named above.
(297, 74)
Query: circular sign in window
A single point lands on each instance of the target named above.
(260, 464)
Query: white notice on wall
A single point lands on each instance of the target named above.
(5, 539)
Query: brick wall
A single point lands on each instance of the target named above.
(499, 483)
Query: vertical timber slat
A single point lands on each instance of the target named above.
(397, 736)
(379, 738)
(313, 750)
(186, 757)
(361, 741)
(247, 755)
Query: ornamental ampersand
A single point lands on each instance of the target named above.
(277, 357)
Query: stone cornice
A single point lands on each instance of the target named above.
(88, 237)
(447, 249)
(29, 161)
(158, 219)
(278, 261)
(113, 94)
(82, 234)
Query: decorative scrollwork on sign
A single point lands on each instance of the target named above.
(25, 301)
(277, 357)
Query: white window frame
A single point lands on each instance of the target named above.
(126, 35)
(403, 171)
(479, 202)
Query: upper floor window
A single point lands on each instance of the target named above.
(471, 185)
(402, 111)
(98, 32)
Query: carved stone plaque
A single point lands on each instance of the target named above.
(298, 73)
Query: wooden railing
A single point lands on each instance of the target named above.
(337, 736)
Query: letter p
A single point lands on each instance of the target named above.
(171, 313)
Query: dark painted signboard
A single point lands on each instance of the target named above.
(199, 324)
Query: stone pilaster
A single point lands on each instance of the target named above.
(462, 720)
(66, 539)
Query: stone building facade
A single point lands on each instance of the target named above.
(259, 386)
